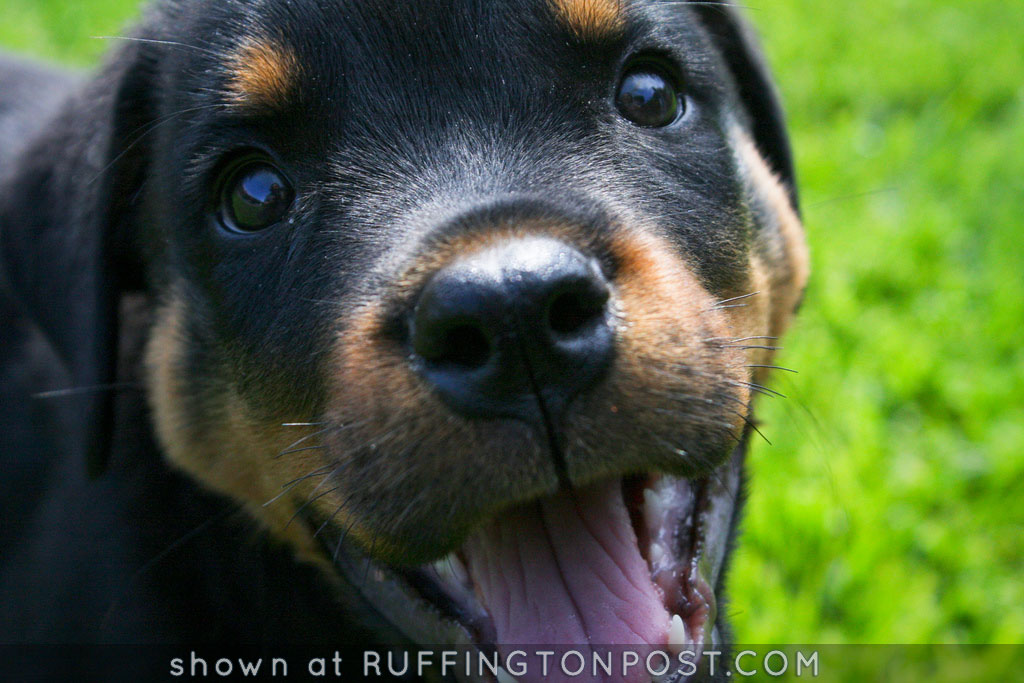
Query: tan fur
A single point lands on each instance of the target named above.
(784, 245)
(263, 74)
(226, 448)
(591, 19)
(780, 259)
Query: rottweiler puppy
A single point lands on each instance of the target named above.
(431, 322)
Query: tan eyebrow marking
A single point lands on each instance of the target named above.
(591, 19)
(263, 73)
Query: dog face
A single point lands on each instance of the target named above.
(476, 295)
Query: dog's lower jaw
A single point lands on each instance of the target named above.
(682, 532)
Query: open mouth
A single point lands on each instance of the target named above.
(631, 562)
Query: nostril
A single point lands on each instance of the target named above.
(467, 347)
(574, 312)
(462, 346)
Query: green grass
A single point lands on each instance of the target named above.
(889, 508)
(61, 30)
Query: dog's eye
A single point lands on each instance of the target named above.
(648, 96)
(255, 196)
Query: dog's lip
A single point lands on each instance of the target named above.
(430, 611)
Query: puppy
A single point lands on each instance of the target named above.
(431, 322)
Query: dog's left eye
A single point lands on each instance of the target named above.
(255, 196)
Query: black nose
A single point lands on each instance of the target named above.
(515, 331)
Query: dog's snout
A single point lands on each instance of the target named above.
(516, 330)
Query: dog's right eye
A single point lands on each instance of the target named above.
(254, 196)
(649, 95)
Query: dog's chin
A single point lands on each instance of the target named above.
(631, 562)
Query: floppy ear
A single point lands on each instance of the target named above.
(742, 54)
(66, 215)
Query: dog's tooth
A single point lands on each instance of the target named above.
(460, 569)
(654, 509)
(677, 638)
(450, 568)
(657, 555)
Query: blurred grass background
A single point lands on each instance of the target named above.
(889, 506)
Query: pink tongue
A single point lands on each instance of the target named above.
(567, 571)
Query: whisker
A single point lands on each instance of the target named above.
(85, 391)
(758, 387)
(750, 423)
(331, 519)
(768, 389)
(774, 367)
(750, 347)
(309, 502)
(300, 450)
(730, 343)
(288, 450)
(152, 41)
(737, 298)
(324, 471)
(341, 539)
(369, 560)
(737, 400)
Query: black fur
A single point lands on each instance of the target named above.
(104, 201)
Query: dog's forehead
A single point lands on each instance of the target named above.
(279, 48)
(592, 20)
